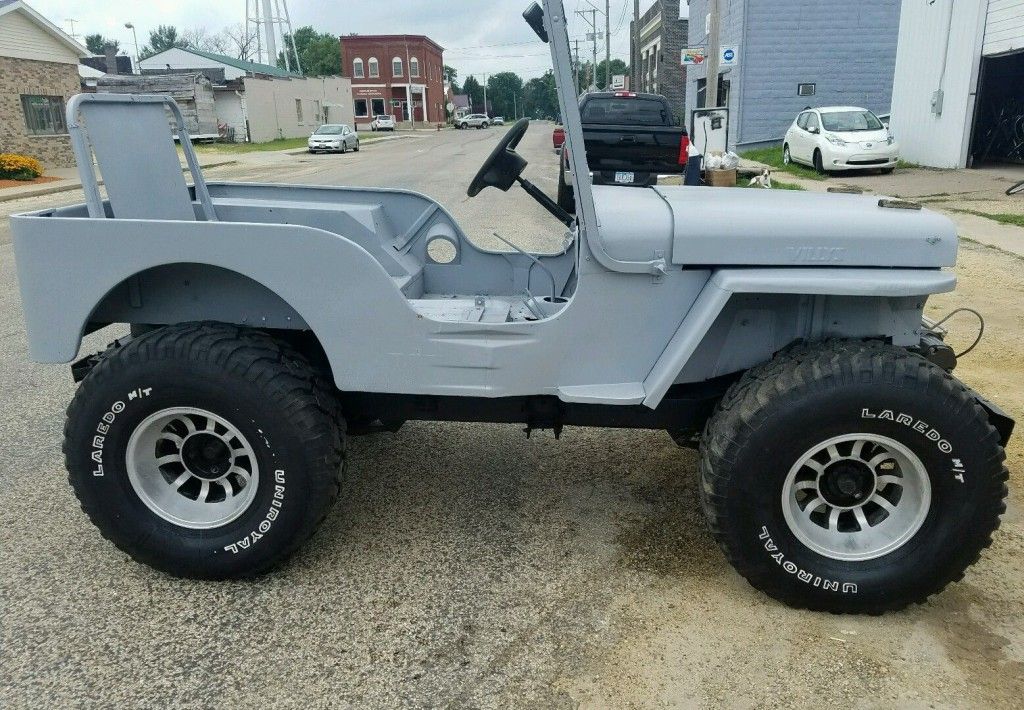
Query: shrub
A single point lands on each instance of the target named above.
(19, 167)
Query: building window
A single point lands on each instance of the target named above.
(318, 111)
(358, 69)
(414, 67)
(397, 68)
(702, 93)
(374, 68)
(298, 110)
(44, 115)
(806, 89)
(361, 108)
(378, 107)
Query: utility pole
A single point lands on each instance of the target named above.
(485, 96)
(607, 45)
(592, 21)
(576, 68)
(71, 21)
(635, 84)
(714, 53)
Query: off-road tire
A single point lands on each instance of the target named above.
(566, 193)
(280, 403)
(811, 393)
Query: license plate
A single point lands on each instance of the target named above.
(625, 178)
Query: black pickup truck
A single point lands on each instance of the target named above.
(630, 139)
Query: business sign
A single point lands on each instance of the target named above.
(618, 82)
(693, 56)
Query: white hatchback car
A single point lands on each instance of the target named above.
(383, 123)
(840, 138)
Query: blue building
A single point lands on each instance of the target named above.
(796, 53)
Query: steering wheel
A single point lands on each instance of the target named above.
(503, 166)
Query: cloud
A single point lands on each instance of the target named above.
(479, 37)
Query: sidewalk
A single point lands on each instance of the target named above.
(944, 191)
(69, 180)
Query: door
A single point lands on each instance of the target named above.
(809, 138)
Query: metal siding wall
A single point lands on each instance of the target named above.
(927, 139)
(1005, 27)
(732, 33)
(847, 49)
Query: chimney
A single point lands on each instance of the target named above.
(111, 57)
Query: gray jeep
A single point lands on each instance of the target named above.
(842, 466)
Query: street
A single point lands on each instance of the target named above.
(468, 566)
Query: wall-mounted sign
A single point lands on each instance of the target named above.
(730, 56)
(694, 55)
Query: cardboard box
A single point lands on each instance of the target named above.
(720, 178)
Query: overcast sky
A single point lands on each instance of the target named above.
(479, 36)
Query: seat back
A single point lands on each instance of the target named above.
(131, 139)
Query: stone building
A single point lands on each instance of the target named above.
(38, 74)
(658, 59)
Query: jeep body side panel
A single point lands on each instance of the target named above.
(744, 316)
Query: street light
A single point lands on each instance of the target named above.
(130, 26)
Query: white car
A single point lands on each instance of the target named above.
(498, 121)
(333, 137)
(840, 139)
(383, 123)
(473, 120)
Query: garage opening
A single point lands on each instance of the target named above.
(999, 118)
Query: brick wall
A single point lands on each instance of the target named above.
(385, 48)
(25, 76)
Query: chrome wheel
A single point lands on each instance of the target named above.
(192, 468)
(856, 497)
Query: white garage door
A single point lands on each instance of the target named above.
(1005, 29)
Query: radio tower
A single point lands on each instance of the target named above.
(269, 21)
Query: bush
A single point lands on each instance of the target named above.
(19, 167)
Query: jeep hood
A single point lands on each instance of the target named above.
(756, 227)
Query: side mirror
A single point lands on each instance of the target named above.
(814, 130)
(534, 17)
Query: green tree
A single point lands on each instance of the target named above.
(97, 44)
(475, 91)
(319, 53)
(505, 94)
(161, 39)
(618, 67)
(542, 97)
(451, 75)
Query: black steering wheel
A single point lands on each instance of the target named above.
(503, 166)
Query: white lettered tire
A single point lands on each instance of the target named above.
(205, 451)
(852, 477)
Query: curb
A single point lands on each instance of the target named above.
(68, 185)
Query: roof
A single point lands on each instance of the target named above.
(839, 109)
(60, 35)
(391, 38)
(241, 64)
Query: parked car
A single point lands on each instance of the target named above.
(473, 120)
(498, 121)
(383, 123)
(558, 137)
(840, 139)
(333, 137)
(630, 139)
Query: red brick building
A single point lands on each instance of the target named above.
(401, 75)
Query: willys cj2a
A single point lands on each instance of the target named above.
(842, 466)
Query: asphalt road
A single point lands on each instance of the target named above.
(465, 565)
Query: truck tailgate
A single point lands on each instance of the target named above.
(653, 149)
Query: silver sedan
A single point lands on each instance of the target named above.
(333, 137)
